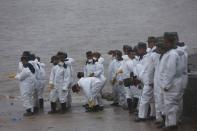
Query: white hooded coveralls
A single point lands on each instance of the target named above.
(147, 97)
(60, 77)
(27, 83)
(170, 77)
(91, 87)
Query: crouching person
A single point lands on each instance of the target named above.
(59, 82)
(27, 83)
(91, 87)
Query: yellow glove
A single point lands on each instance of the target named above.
(11, 75)
(91, 103)
(120, 72)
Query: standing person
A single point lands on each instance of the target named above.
(156, 57)
(60, 77)
(91, 87)
(111, 70)
(112, 55)
(42, 83)
(183, 68)
(170, 77)
(100, 63)
(54, 105)
(126, 69)
(117, 81)
(34, 62)
(69, 62)
(153, 58)
(27, 83)
(147, 92)
(136, 89)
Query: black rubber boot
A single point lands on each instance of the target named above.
(129, 103)
(101, 108)
(28, 113)
(115, 104)
(63, 108)
(53, 108)
(162, 124)
(135, 103)
(170, 128)
(149, 110)
(41, 103)
(85, 105)
(96, 108)
(137, 119)
(35, 110)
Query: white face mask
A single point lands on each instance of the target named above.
(148, 49)
(111, 57)
(61, 63)
(90, 60)
(36, 60)
(94, 58)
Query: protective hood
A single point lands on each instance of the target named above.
(180, 51)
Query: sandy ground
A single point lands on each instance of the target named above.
(75, 26)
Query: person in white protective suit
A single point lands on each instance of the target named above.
(94, 69)
(100, 62)
(170, 78)
(60, 79)
(91, 87)
(183, 66)
(69, 62)
(117, 81)
(41, 84)
(125, 51)
(126, 69)
(27, 82)
(34, 62)
(112, 54)
(155, 59)
(56, 106)
(147, 97)
(136, 90)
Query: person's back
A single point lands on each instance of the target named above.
(26, 77)
(85, 84)
(27, 83)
